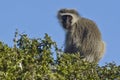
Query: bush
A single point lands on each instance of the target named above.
(33, 59)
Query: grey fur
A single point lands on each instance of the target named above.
(83, 37)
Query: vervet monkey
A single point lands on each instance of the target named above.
(82, 35)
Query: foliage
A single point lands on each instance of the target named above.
(33, 59)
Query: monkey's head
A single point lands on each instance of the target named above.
(67, 17)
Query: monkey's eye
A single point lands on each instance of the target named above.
(69, 17)
(64, 17)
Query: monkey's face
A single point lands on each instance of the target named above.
(66, 21)
(67, 18)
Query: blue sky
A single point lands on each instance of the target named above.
(36, 17)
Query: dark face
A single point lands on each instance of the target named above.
(66, 21)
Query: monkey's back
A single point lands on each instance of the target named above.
(84, 37)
